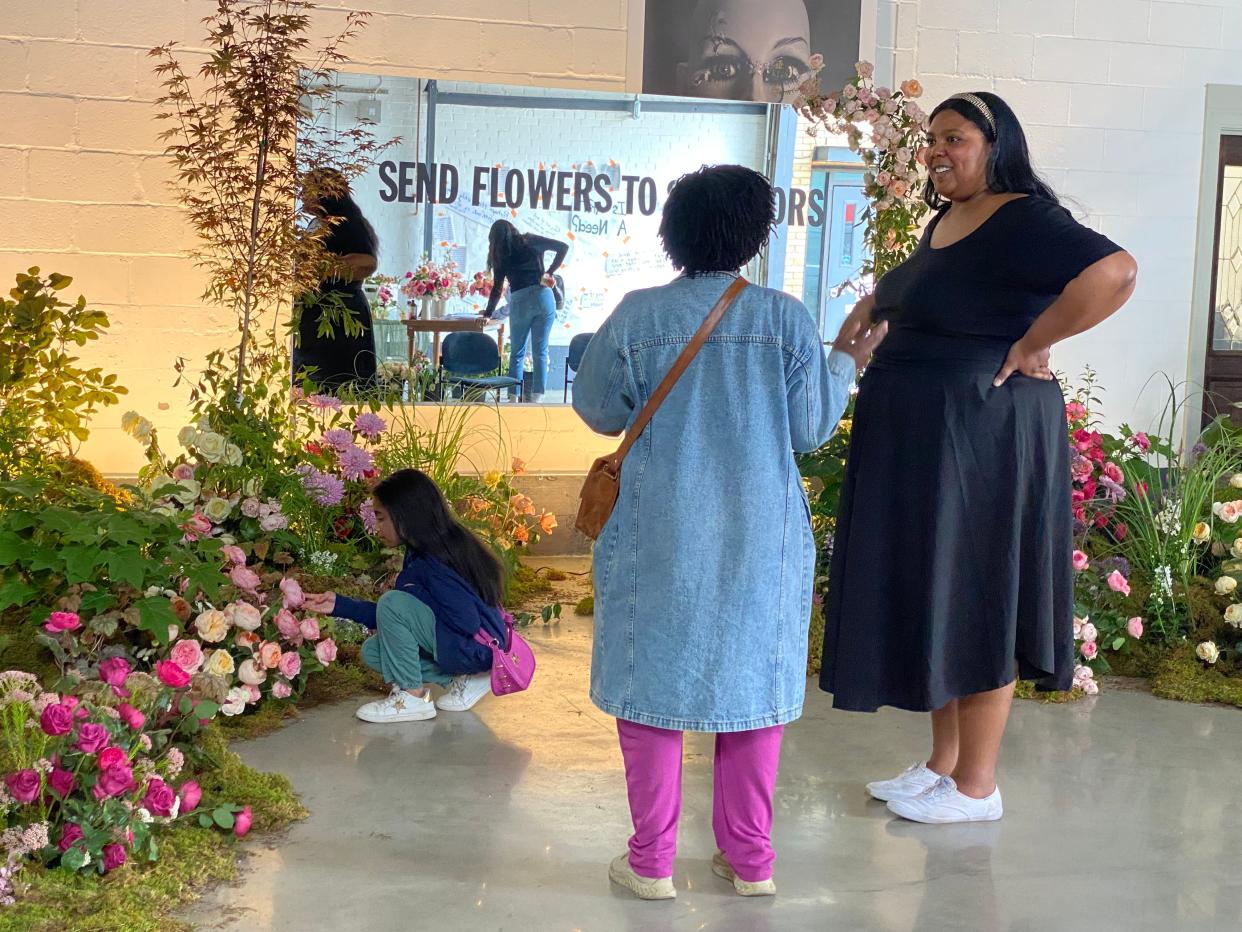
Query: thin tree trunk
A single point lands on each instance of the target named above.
(260, 174)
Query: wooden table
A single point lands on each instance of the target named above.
(439, 325)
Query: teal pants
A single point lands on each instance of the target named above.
(403, 649)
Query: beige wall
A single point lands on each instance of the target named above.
(84, 189)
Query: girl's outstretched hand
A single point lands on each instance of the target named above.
(321, 602)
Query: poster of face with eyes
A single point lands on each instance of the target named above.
(758, 50)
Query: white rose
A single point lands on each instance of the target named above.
(1226, 585)
(211, 446)
(250, 672)
(1088, 632)
(143, 815)
(1230, 512)
(1236, 547)
(1207, 651)
(188, 491)
(253, 486)
(232, 455)
(235, 701)
(1216, 507)
(188, 436)
(1236, 480)
(217, 509)
(1233, 615)
(243, 615)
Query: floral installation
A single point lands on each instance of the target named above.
(93, 778)
(435, 280)
(339, 468)
(888, 128)
(505, 515)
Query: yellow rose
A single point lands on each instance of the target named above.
(1201, 532)
(217, 509)
(212, 625)
(212, 446)
(219, 663)
(1207, 651)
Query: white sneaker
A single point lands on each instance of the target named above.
(943, 803)
(909, 783)
(400, 706)
(464, 692)
(722, 868)
(645, 888)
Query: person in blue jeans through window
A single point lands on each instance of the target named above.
(518, 259)
(449, 588)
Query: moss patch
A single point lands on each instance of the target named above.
(1027, 690)
(141, 899)
(1181, 675)
(585, 606)
(524, 584)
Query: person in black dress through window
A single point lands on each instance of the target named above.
(518, 258)
(339, 359)
(951, 570)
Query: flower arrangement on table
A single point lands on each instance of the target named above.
(893, 126)
(437, 281)
(385, 303)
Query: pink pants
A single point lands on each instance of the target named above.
(745, 776)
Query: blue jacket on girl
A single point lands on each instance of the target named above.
(459, 612)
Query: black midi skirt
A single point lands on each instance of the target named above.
(951, 569)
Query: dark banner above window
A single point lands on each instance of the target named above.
(758, 50)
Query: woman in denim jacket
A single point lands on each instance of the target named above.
(703, 573)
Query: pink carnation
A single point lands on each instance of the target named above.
(1142, 441)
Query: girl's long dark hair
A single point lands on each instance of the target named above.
(331, 189)
(424, 522)
(503, 240)
(1009, 162)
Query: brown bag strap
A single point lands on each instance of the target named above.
(683, 361)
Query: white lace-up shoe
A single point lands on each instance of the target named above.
(910, 782)
(464, 692)
(944, 803)
(400, 706)
(645, 888)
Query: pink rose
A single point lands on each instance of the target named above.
(197, 526)
(188, 655)
(57, 719)
(1142, 441)
(281, 690)
(1090, 649)
(114, 781)
(1118, 583)
(1135, 627)
(250, 507)
(251, 673)
(310, 629)
(269, 655)
(183, 471)
(62, 621)
(325, 651)
(110, 757)
(290, 664)
(1080, 560)
(69, 835)
(191, 795)
(252, 693)
(243, 615)
(244, 578)
(1113, 471)
(61, 782)
(114, 671)
(233, 554)
(1075, 411)
(287, 625)
(242, 821)
(292, 592)
(1088, 631)
(92, 738)
(131, 716)
(24, 785)
(159, 799)
(172, 674)
(113, 857)
(1081, 469)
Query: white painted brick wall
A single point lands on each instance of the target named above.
(1113, 107)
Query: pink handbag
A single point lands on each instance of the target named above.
(513, 667)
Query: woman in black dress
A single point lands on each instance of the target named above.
(951, 573)
(337, 360)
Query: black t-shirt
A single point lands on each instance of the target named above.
(523, 266)
(987, 288)
(348, 235)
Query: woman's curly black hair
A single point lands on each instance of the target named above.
(717, 219)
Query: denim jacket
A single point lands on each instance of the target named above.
(703, 574)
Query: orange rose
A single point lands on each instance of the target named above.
(547, 522)
(912, 88)
(521, 535)
(519, 467)
(522, 504)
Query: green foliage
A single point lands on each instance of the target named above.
(585, 606)
(46, 397)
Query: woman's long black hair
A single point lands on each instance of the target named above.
(503, 240)
(329, 189)
(425, 524)
(1009, 163)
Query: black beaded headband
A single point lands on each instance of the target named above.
(978, 103)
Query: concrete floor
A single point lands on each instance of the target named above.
(1122, 813)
